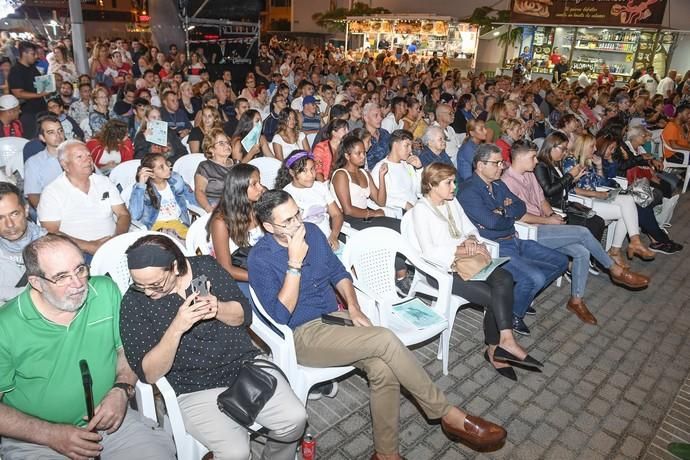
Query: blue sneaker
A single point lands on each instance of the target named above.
(519, 326)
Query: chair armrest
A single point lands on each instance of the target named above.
(492, 246)
(136, 226)
(585, 200)
(347, 230)
(622, 181)
(195, 210)
(526, 231)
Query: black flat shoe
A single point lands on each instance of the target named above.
(504, 355)
(507, 372)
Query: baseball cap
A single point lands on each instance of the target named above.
(309, 100)
(8, 102)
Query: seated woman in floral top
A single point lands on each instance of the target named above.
(622, 209)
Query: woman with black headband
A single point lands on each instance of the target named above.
(198, 342)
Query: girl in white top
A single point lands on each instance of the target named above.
(297, 176)
(233, 226)
(443, 232)
(353, 185)
(288, 137)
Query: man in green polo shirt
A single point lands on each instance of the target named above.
(62, 318)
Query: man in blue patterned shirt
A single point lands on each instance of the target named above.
(293, 272)
(493, 209)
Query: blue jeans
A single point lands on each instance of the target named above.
(533, 267)
(579, 244)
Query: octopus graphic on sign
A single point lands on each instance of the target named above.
(631, 13)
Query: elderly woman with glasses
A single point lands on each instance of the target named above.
(209, 178)
(197, 338)
(434, 151)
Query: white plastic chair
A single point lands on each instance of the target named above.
(421, 285)
(539, 141)
(684, 165)
(310, 140)
(12, 154)
(186, 166)
(301, 378)
(268, 169)
(125, 174)
(197, 236)
(185, 142)
(111, 259)
(370, 257)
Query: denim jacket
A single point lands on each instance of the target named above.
(140, 204)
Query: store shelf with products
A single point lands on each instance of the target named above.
(617, 48)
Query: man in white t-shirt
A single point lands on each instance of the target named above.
(394, 118)
(80, 204)
(649, 80)
(667, 86)
(404, 177)
(444, 118)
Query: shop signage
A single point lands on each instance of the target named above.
(612, 13)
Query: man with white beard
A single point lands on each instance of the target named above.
(61, 319)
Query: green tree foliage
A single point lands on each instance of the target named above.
(488, 18)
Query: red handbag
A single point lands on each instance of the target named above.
(639, 172)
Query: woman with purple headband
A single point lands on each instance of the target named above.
(297, 176)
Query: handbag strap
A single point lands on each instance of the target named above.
(266, 364)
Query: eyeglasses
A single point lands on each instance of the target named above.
(498, 163)
(297, 218)
(560, 147)
(223, 143)
(63, 279)
(156, 287)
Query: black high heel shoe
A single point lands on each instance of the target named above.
(502, 354)
(507, 372)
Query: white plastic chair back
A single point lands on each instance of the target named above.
(86, 127)
(268, 168)
(186, 167)
(185, 142)
(197, 236)
(685, 164)
(125, 174)
(111, 259)
(12, 154)
(539, 142)
(301, 378)
(310, 140)
(373, 260)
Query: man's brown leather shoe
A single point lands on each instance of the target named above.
(582, 312)
(630, 279)
(477, 433)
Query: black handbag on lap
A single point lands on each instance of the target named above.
(250, 392)
(240, 256)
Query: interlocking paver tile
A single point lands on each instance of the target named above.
(603, 392)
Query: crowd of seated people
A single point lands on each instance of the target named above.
(360, 143)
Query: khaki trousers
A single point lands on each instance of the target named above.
(388, 365)
(284, 415)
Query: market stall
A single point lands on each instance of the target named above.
(414, 33)
(591, 34)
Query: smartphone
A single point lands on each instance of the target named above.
(336, 320)
(199, 285)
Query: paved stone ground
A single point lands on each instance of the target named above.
(603, 393)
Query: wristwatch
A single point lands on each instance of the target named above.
(126, 387)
